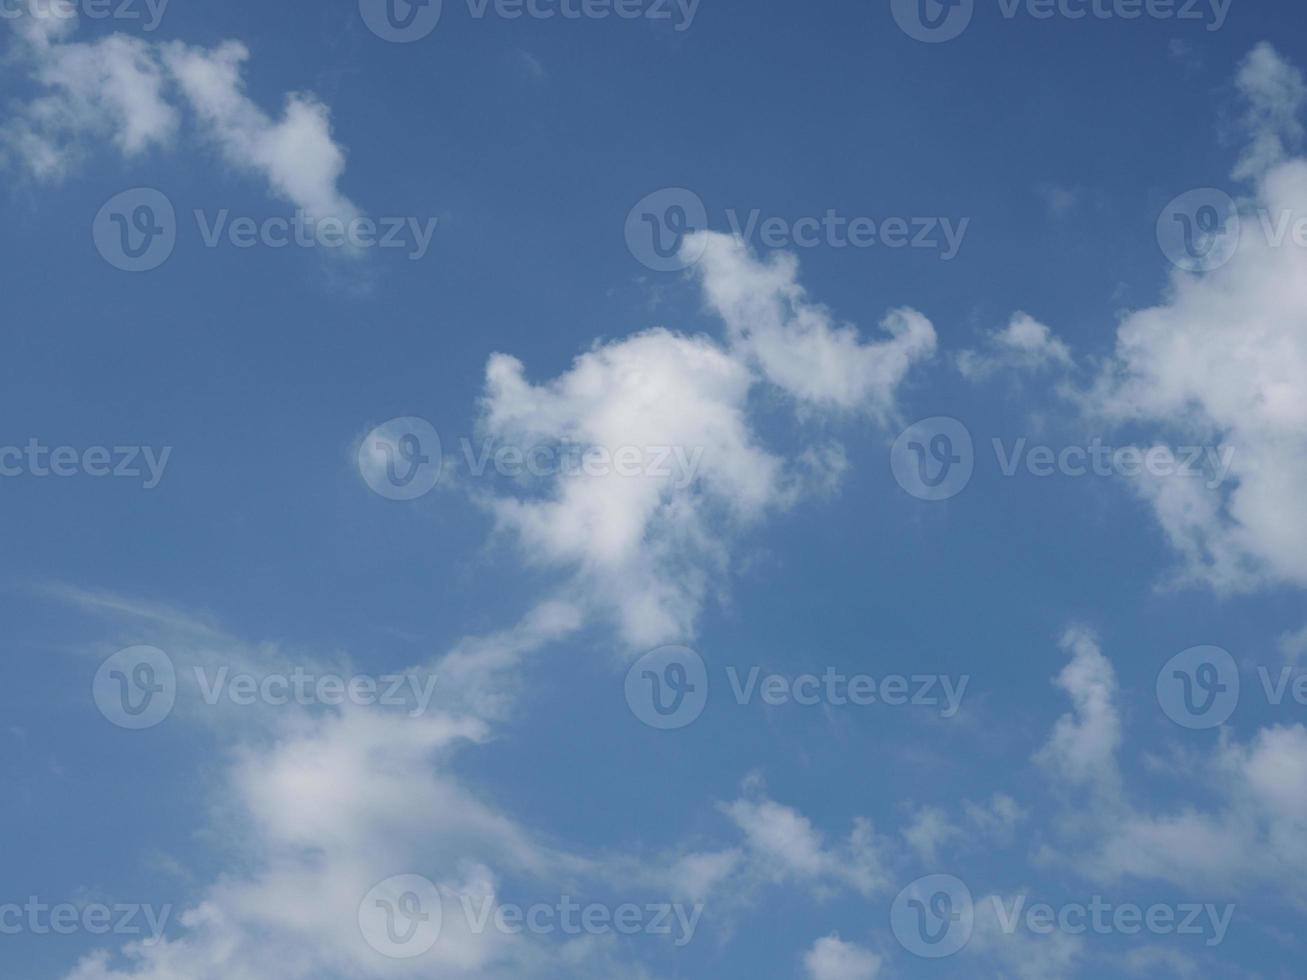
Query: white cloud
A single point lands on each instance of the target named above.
(318, 806)
(929, 831)
(796, 343)
(997, 819)
(295, 154)
(650, 548)
(784, 846)
(114, 89)
(1254, 835)
(124, 89)
(1024, 344)
(1020, 954)
(1293, 645)
(1083, 746)
(832, 959)
(1223, 361)
(1275, 94)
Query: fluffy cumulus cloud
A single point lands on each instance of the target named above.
(133, 93)
(1024, 344)
(1223, 360)
(1252, 836)
(317, 806)
(833, 959)
(1019, 954)
(648, 544)
(796, 343)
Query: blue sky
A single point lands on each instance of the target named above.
(767, 393)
